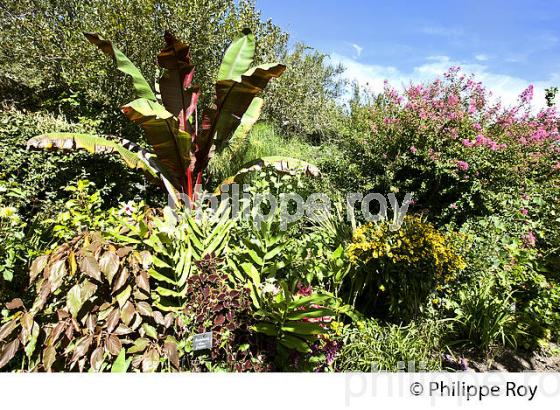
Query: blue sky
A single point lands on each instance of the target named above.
(506, 44)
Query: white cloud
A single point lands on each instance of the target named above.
(502, 86)
(358, 49)
(481, 57)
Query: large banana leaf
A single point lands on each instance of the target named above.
(238, 57)
(134, 156)
(170, 144)
(141, 86)
(234, 98)
(91, 143)
(232, 101)
(285, 165)
(178, 95)
(247, 121)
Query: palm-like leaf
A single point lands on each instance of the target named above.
(281, 164)
(93, 144)
(238, 57)
(179, 96)
(247, 122)
(182, 151)
(133, 155)
(233, 99)
(141, 86)
(170, 144)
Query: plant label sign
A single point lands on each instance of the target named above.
(202, 341)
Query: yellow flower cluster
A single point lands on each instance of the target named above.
(416, 244)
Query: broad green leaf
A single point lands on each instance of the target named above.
(30, 346)
(123, 296)
(168, 292)
(141, 86)
(252, 272)
(170, 144)
(282, 165)
(139, 345)
(311, 299)
(256, 258)
(267, 328)
(238, 57)
(338, 252)
(8, 274)
(150, 331)
(303, 328)
(162, 278)
(120, 364)
(295, 343)
(160, 263)
(217, 242)
(275, 251)
(312, 313)
(135, 157)
(233, 99)
(253, 292)
(248, 120)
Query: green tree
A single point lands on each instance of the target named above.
(45, 61)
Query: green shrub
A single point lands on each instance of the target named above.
(447, 144)
(504, 252)
(39, 59)
(93, 311)
(395, 271)
(304, 101)
(371, 346)
(34, 183)
(485, 316)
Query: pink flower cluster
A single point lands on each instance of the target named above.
(459, 108)
(529, 239)
(462, 165)
(526, 95)
(483, 141)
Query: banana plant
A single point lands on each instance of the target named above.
(182, 141)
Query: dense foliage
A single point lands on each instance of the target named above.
(98, 274)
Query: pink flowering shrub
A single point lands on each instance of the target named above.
(451, 142)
